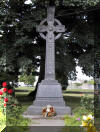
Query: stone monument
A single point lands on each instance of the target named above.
(49, 90)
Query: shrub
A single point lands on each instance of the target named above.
(78, 84)
(72, 120)
(10, 108)
(87, 103)
(91, 82)
(86, 106)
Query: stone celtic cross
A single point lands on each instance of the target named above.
(49, 89)
(50, 26)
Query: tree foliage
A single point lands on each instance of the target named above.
(27, 79)
(22, 49)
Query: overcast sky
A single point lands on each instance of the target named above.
(28, 2)
(82, 76)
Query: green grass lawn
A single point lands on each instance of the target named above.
(25, 88)
(23, 98)
(81, 90)
(22, 93)
(77, 95)
(73, 100)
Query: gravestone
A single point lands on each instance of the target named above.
(49, 90)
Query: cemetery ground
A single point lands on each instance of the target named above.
(71, 99)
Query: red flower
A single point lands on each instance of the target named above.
(4, 84)
(4, 105)
(1, 92)
(10, 91)
(6, 99)
(5, 90)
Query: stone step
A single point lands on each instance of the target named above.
(46, 122)
(37, 117)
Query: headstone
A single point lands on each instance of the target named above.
(49, 90)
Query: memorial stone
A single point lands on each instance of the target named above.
(49, 90)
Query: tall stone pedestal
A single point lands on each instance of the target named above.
(49, 93)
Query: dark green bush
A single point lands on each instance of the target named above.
(87, 103)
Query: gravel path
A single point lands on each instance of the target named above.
(39, 123)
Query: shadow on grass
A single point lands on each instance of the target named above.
(16, 129)
(72, 101)
(44, 129)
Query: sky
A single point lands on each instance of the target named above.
(28, 2)
(80, 75)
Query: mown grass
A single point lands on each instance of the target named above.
(81, 90)
(77, 95)
(23, 98)
(25, 88)
(17, 94)
(23, 93)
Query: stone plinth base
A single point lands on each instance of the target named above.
(36, 110)
(49, 93)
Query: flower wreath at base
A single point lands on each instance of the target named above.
(48, 111)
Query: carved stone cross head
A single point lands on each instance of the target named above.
(50, 25)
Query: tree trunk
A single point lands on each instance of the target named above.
(52, 2)
(42, 69)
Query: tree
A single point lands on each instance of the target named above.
(27, 79)
(22, 48)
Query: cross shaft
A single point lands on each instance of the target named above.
(50, 41)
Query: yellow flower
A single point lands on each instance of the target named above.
(90, 124)
(88, 118)
(84, 123)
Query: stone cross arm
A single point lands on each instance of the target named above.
(41, 28)
(50, 25)
(57, 28)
